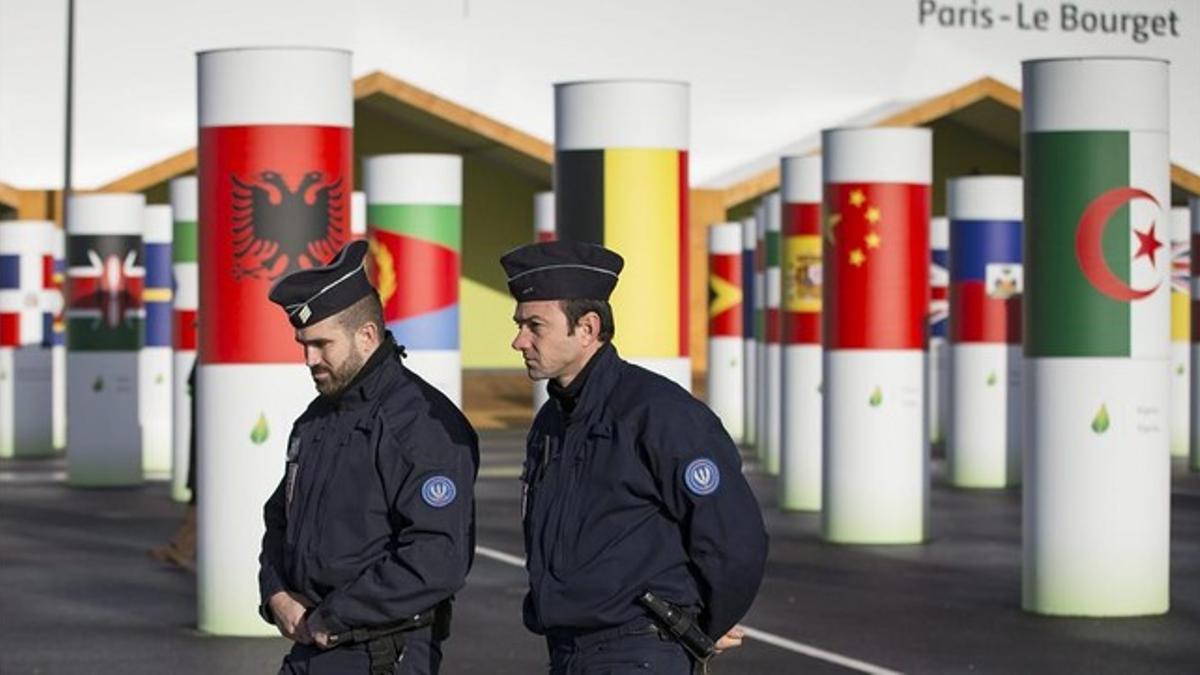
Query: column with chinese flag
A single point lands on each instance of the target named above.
(983, 447)
(749, 344)
(155, 360)
(543, 230)
(1181, 328)
(183, 331)
(725, 300)
(938, 363)
(1097, 498)
(800, 457)
(26, 422)
(275, 176)
(875, 216)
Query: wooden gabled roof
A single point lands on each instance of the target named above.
(9, 196)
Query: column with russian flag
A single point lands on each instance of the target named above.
(875, 218)
(183, 329)
(773, 433)
(938, 364)
(54, 331)
(155, 391)
(414, 223)
(1096, 515)
(1181, 329)
(621, 180)
(800, 328)
(749, 346)
(725, 300)
(983, 447)
(106, 275)
(26, 428)
(275, 176)
(543, 230)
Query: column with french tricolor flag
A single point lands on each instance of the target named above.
(725, 299)
(275, 175)
(1194, 323)
(543, 230)
(414, 224)
(773, 431)
(749, 345)
(983, 447)
(760, 331)
(1096, 516)
(183, 329)
(875, 217)
(105, 315)
(25, 365)
(54, 330)
(621, 180)
(1181, 329)
(938, 361)
(800, 328)
(155, 361)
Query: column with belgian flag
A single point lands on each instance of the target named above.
(1096, 496)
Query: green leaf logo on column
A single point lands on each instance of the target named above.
(991, 379)
(1179, 369)
(1101, 421)
(159, 378)
(260, 432)
(876, 398)
(98, 385)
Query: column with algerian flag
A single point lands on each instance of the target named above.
(183, 329)
(1194, 287)
(543, 230)
(1181, 329)
(800, 393)
(749, 345)
(106, 275)
(725, 300)
(938, 363)
(54, 330)
(760, 330)
(876, 299)
(275, 176)
(414, 224)
(25, 365)
(1096, 517)
(155, 391)
(983, 447)
(621, 180)
(773, 431)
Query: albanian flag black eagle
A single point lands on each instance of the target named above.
(277, 230)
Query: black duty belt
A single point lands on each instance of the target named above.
(385, 644)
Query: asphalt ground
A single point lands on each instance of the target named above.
(79, 594)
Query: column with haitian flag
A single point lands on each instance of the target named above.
(875, 271)
(725, 299)
(106, 275)
(155, 361)
(183, 329)
(621, 180)
(983, 447)
(1181, 327)
(749, 346)
(938, 364)
(26, 421)
(414, 224)
(1096, 518)
(275, 175)
(543, 230)
(800, 328)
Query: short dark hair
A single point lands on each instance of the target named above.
(577, 309)
(367, 309)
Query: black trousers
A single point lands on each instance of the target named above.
(422, 656)
(638, 653)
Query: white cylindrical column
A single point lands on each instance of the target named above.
(155, 390)
(358, 215)
(760, 332)
(938, 359)
(1194, 287)
(1181, 331)
(186, 302)
(54, 332)
(749, 346)
(725, 376)
(543, 230)
(774, 349)
(26, 421)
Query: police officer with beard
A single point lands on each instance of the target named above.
(645, 545)
(371, 530)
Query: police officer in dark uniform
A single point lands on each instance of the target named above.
(371, 531)
(645, 544)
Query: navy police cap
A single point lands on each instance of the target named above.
(561, 270)
(317, 293)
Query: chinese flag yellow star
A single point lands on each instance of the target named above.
(872, 215)
(857, 198)
(873, 239)
(857, 257)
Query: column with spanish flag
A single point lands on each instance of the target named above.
(725, 300)
(26, 428)
(773, 367)
(800, 457)
(414, 224)
(938, 363)
(875, 215)
(983, 447)
(183, 329)
(54, 331)
(106, 275)
(1181, 329)
(155, 360)
(543, 230)
(275, 176)
(1194, 324)
(749, 346)
(621, 180)
(1096, 515)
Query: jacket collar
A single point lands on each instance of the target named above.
(587, 393)
(372, 377)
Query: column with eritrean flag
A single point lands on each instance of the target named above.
(749, 346)
(54, 331)
(106, 275)
(800, 457)
(25, 365)
(773, 431)
(155, 361)
(875, 215)
(543, 230)
(983, 447)
(621, 180)
(1181, 329)
(1194, 286)
(183, 329)
(414, 223)
(275, 176)
(938, 364)
(1096, 515)
(725, 300)
(760, 331)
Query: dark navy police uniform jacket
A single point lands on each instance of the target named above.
(637, 488)
(374, 520)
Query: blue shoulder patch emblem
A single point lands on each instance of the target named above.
(702, 477)
(438, 491)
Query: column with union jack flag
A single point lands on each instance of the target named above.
(25, 365)
(875, 215)
(725, 300)
(1181, 326)
(983, 447)
(183, 329)
(938, 363)
(105, 316)
(154, 378)
(543, 230)
(275, 177)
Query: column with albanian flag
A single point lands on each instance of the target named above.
(1181, 328)
(938, 364)
(414, 223)
(25, 365)
(800, 458)
(154, 373)
(275, 175)
(983, 447)
(725, 326)
(54, 331)
(620, 180)
(106, 276)
(749, 346)
(1096, 516)
(543, 230)
(183, 329)
(876, 297)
